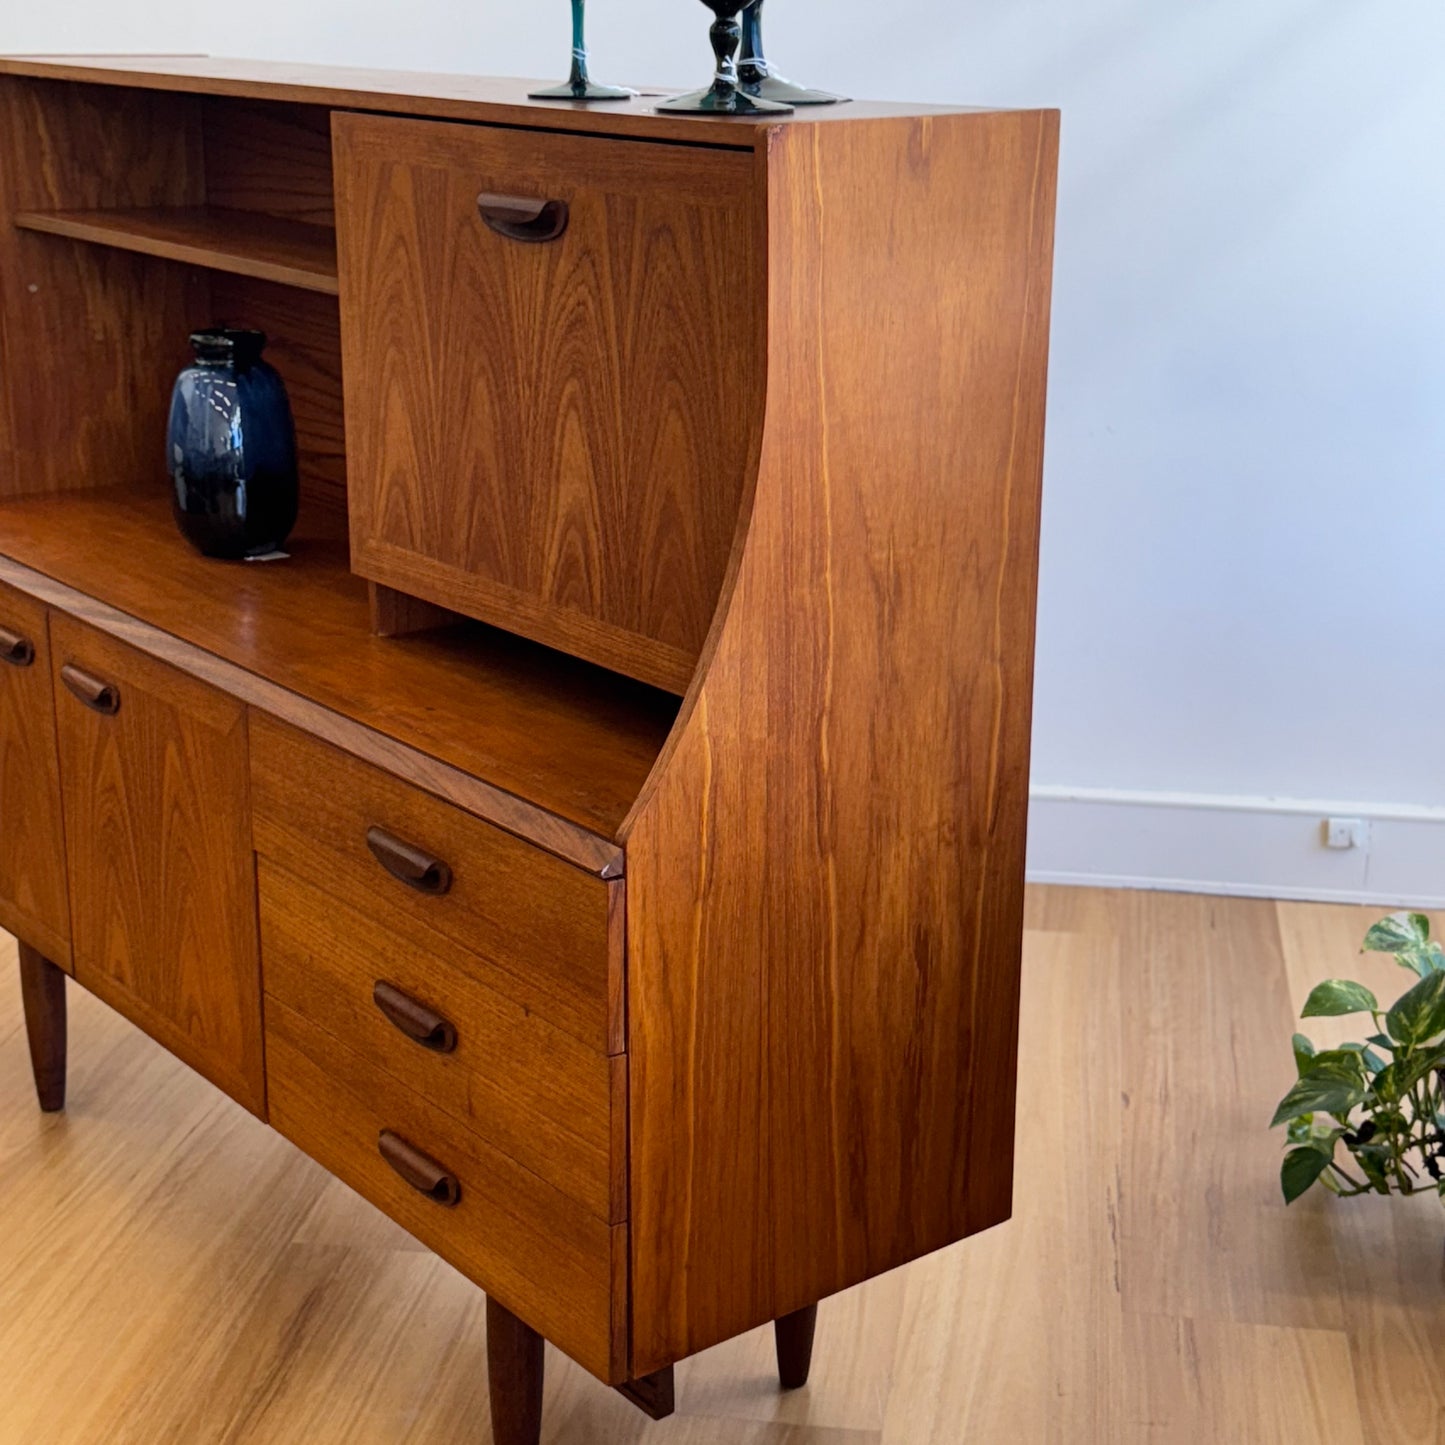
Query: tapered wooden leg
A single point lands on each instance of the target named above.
(655, 1395)
(42, 990)
(514, 1377)
(793, 1335)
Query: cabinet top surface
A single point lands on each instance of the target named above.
(463, 97)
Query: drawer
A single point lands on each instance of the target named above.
(539, 1253)
(528, 924)
(530, 1089)
(545, 424)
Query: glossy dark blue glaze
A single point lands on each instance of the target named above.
(231, 448)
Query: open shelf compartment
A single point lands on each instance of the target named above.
(562, 734)
(243, 243)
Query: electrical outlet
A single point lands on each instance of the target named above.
(1346, 833)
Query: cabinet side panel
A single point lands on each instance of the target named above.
(92, 336)
(825, 887)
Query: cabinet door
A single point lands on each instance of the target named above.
(33, 905)
(549, 420)
(154, 778)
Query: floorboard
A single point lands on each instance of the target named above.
(172, 1272)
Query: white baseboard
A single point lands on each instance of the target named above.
(1254, 847)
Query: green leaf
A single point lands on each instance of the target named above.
(1338, 996)
(1429, 959)
(1304, 1051)
(1300, 1169)
(1310, 1095)
(1399, 933)
(1420, 1013)
(1395, 1081)
(1345, 1064)
(1372, 1159)
(1381, 1041)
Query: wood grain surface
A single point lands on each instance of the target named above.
(551, 437)
(304, 345)
(542, 732)
(34, 903)
(476, 98)
(543, 1256)
(825, 876)
(527, 1087)
(269, 157)
(257, 1301)
(245, 243)
(538, 923)
(157, 828)
(92, 336)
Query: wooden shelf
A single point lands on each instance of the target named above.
(558, 733)
(245, 243)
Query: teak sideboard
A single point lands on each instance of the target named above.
(600, 841)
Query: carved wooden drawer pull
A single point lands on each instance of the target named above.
(409, 863)
(425, 1025)
(522, 218)
(419, 1170)
(18, 651)
(98, 696)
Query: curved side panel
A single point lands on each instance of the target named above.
(825, 883)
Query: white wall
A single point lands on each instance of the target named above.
(1243, 592)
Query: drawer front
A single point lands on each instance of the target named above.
(158, 836)
(33, 902)
(538, 1252)
(528, 1088)
(549, 434)
(527, 924)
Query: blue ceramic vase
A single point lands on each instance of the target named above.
(231, 448)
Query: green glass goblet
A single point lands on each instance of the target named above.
(725, 96)
(756, 77)
(579, 85)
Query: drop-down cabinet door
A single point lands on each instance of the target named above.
(155, 782)
(33, 905)
(552, 353)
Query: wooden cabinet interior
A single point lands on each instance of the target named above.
(617, 797)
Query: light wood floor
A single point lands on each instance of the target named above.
(170, 1271)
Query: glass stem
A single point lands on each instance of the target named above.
(578, 77)
(752, 47)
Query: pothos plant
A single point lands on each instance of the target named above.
(1382, 1099)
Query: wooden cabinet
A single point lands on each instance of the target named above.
(33, 902)
(547, 421)
(154, 778)
(659, 1019)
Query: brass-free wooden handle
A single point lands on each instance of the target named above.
(523, 218)
(419, 1170)
(98, 696)
(425, 1025)
(409, 863)
(18, 651)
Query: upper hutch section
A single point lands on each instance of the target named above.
(528, 347)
